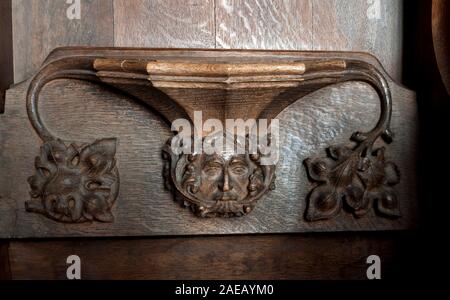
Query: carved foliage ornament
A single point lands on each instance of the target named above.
(75, 183)
(356, 177)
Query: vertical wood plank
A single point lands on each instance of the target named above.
(5, 270)
(39, 26)
(373, 26)
(6, 50)
(264, 24)
(164, 23)
(441, 38)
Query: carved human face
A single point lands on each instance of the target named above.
(225, 184)
(224, 179)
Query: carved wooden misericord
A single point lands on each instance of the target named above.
(80, 182)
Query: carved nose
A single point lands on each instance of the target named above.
(226, 183)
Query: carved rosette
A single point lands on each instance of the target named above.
(217, 185)
(75, 184)
(353, 177)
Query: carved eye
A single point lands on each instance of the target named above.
(239, 169)
(45, 172)
(52, 200)
(213, 169)
(75, 160)
(93, 159)
(92, 185)
(71, 202)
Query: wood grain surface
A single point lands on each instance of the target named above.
(277, 25)
(40, 26)
(325, 117)
(164, 23)
(356, 25)
(317, 256)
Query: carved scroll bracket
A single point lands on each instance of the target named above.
(75, 183)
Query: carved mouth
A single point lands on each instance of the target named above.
(227, 197)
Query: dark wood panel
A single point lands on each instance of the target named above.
(440, 23)
(313, 256)
(40, 26)
(5, 272)
(164, 23)
(279, 25)
(6, 50)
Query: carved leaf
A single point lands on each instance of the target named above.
(392, 174)
(99, 156)
(319, 168)
(324, 203)
(387, 202)
(354, 195)
(351, 176)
